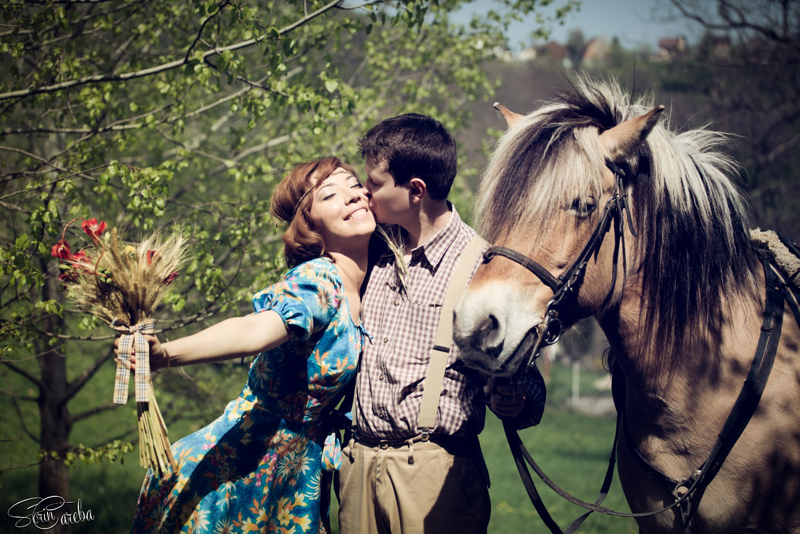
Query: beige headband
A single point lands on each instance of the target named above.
(337, 170)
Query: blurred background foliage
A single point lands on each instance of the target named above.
(148, 113)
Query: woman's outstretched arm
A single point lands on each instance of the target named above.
(232, 338)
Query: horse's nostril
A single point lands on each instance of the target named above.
(487, 326)
(486, 334)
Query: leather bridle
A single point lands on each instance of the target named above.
(565, 286)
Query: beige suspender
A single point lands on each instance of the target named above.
(444, 335)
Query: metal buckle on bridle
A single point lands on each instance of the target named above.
(548, 332)
(685, 486)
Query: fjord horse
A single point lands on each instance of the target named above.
(673, 280)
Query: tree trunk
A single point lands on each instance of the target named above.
(55, 423)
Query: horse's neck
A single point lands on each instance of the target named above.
(672, 388)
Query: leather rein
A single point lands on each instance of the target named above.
(689, 491)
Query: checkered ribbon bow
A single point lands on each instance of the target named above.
(130, 343)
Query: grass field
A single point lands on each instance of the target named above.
(573, 449)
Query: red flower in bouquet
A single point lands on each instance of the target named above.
(61, 250)
(79, 257)
(75, 265)
(69, 276)
(170, 278)
(93, 228)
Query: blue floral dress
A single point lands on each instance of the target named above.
(258, 468)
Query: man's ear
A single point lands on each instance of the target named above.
(417, 188)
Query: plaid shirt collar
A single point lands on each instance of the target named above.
(431, 253)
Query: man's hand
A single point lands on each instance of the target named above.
(506, 398)
(158, 356)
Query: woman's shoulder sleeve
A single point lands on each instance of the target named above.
(307, 298)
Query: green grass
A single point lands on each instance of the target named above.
(571, 448)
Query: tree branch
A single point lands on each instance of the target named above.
(728, 22)
(19, 467)
(15, 396)
(102, 78)
(22, 421)
(246, 81)
(75, 386)
(76, 338)
(49, 163)
(194, 150)
(90, 16)
(120, 437)
(252, 150)
(14, 207)
(19, 412)
(43, 2)
(202, 27)
(116, 126)
(24, 373)
(94, 411)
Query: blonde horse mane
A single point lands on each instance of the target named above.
(694, 243)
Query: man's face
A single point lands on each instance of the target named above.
(389, 202)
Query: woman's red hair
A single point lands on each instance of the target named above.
(291, 202)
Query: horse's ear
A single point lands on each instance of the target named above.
(621, 140)
(510, 117)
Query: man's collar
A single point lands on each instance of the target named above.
(435, 248)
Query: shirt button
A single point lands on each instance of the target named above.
(380, 378)
(386, 340)
(397, 303)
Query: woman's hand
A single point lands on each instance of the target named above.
(159, 358)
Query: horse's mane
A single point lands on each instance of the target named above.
(693, 244)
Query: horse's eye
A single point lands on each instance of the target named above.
(582, 207)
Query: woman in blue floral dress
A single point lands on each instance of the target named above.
(258, 467)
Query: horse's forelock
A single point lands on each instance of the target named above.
(547, 158)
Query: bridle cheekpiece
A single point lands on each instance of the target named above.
(565, 286)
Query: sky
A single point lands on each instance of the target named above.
(634, 22)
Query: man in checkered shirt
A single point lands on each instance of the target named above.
(394, 478)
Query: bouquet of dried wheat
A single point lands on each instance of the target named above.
(122, 284)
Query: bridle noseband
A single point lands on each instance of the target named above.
(564, 286)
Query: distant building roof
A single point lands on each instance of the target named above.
(596, 50)
(528, 54)
(673, 45)
(670, 48)
(553, 50)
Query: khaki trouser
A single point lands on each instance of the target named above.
(430, 488)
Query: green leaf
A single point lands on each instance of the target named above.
(331, 85)
(22, 242)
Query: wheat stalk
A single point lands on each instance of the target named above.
(396, 244)
(123, 284)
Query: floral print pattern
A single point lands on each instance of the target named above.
(258, 467)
